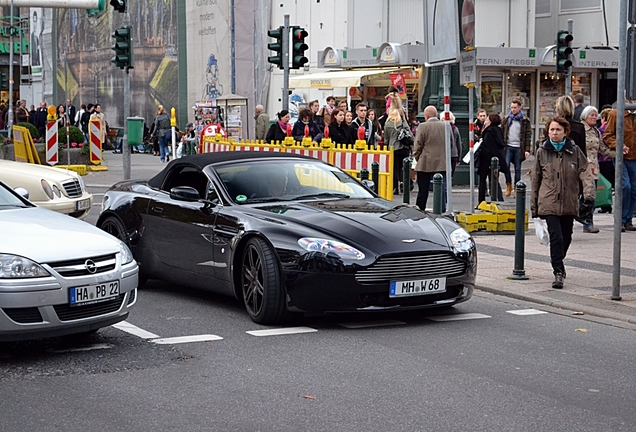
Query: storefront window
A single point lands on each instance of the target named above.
(519, 86)
(491, 93)
(551, 88)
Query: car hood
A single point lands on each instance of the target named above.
(46, 236)
(376, 224)
(20, 169)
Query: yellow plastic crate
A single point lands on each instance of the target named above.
(478, 221)
(497, 208)
(510, 226)
(80, 169)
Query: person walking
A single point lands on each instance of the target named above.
(84, 120)
(579, 106)
(456, 142)
(430, 153)
(40, 119)
(262, 123)
(278, 131)
(189, 140)
(162, 127)
(61, 117)
(362, 120)
(394, 124)
(559, 166)
(565, 108)
(339, 131)
(22, 113)
(605, 164)
(517, 131)
(478, 124)
(492, 145)
(71, 111)
(628, 192)
(78, 115)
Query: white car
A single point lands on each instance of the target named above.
(55, 189)
(59, 275)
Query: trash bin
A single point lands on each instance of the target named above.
(135, 131)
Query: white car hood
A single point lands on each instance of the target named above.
(46, 236)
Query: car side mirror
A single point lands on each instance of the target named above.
(185, 193)
(369, 184)
(22, 192)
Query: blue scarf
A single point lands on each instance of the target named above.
(512, 117)
(558, 146)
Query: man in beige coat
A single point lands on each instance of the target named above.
(262, 123)
(430, 153)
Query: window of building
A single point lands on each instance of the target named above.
(542, 7)
(580, 5)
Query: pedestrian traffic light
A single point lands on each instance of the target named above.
(563, 51)
(119, 5)
(123, 48)
(299, 47)
(277, 47)
(4, 83)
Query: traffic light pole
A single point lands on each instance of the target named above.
(285, 52)
(125, 149)
(568, 77)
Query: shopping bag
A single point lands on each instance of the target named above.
(466, 157)
(603, 192)
(541, 230)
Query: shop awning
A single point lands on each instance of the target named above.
(334, 79)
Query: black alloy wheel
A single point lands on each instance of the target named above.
(261, 285)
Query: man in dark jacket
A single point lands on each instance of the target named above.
(362, 120)
(517, 131)
(40, 119)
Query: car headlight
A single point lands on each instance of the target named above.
(126, 254)
(462, 241)
(323, 245)
(81, 182)
(56, 191)
(47, 188)
(15, 266)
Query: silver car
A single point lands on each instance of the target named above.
(59, 275)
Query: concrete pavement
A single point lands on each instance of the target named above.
(588, 286)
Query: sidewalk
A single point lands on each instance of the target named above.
(588, 286)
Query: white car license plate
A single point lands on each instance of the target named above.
(93, 293)
(83, 204)
(417, 287)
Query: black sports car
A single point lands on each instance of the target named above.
(285, 232)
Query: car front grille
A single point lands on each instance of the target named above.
(72, 188)
(66, 312)
(24, 315)
(413, 267)
(79, 267)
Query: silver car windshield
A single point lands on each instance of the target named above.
(287, 180)
(9, 200)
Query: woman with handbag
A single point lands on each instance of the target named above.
(394, 127)
(492, 145)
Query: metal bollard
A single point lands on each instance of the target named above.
(375, 176)
(406, 172)
(520, 221)
(494, 179)
(364, 174)
(437, 193)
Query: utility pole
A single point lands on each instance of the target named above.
(125, 149)
(10, 111)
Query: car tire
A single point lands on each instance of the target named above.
(261, 283)
(113, 226)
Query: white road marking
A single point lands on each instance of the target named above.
(134, 330)
(458, 317)
(80, 349)
(524, 312)
(281, 331)
(186, 339)
(368, 324)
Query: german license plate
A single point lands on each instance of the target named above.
(417, 287)
(83, 204)
(93, 293)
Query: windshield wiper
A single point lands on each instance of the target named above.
(322, 195)
(261, 200)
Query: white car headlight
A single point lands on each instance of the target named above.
(323, 245)
(46, 187)
(56, 191)
(462, 241)
(15, 266)
(126, 254)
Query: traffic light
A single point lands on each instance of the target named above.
(123, 48)
(277, 47)
(119, 5)
(299, 47)
(563, 51)
(4, 83)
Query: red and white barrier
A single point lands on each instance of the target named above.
(357, 161)
(95, 135)
(51, 143)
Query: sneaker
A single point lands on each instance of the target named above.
(623, 228)
(558, 281)
(630, 227)
(590, 230)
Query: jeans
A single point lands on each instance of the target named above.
(513, 155)
(164, 149)
(629, 191)
(560, 231)
(423, 180)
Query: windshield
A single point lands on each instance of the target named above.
(287, 180)
(9, 200)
